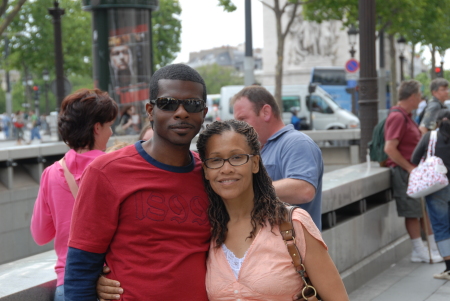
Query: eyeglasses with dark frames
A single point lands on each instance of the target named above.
(236, 160)
(171, 104)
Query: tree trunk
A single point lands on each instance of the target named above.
(392, 54)
(433, 61)
(280, 53)
(8, 18)
(413, 54)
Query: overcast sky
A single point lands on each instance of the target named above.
(206, 25)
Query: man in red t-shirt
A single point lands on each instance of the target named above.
(402, 134)
(142, 209)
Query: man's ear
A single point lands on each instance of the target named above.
(266, 112)
(205, 111)
(149, 108)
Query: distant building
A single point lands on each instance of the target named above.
(225, 56)
(14, 76)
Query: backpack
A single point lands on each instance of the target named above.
(376, 146)
(420, 117)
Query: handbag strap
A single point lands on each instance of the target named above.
(69, 178)
(432, 144)
(288, 234)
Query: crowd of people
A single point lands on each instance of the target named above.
(406, 144)
(160, 222)
(24, 127)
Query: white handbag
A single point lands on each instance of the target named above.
(430, 175)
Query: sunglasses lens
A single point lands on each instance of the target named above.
(193, 105)
(167, 104)
(171, 104)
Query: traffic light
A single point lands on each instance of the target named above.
(439, 72)
(36, 92)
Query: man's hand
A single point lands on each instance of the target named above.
(108, 289)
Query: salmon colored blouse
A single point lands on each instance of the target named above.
(267, 272)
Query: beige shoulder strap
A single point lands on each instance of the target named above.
(69, 178)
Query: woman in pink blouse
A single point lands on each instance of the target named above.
(85, 126)
(248, 259)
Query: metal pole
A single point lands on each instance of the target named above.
(249, 62)
(402, 75)
(381, 74)
(56, 13)
(368, 100)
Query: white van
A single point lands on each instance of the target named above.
(326, 113)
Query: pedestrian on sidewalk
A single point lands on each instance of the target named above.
(6, 124)
(85, 126)
(438, 203)
(439, 90)
(35, 126)
(402, 134)
(19, 124)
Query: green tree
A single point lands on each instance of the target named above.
(166, 25)
(32, 44)
(217, 76)
(280, 8)
(8, 11)
(2, 101)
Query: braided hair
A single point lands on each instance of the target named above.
(267, 207)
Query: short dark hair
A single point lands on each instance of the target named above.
(175, 72)
(259, 96)
(443, 122)
(408, 88)
(437, 83)
(267, 207)
(79, 113)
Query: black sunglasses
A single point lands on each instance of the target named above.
(171, 104)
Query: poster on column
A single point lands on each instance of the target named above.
(129, 57)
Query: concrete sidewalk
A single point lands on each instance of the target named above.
(406, 281)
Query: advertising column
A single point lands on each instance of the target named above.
(122, 50)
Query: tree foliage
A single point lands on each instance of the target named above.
(8, 10)
(217, 76)
(166, 32)
(32, 43)
(420, 21)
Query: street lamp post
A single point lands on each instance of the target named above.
(56, 13)
(46, 78)
(29, 87)
(368, 86)
(352, 33)
(442, 53)
(401, 46)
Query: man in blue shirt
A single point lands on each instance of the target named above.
(292, 159)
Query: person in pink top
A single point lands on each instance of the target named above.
(248, 258)
(85, 126)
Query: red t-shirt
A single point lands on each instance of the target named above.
(400, 126)
(150, 219)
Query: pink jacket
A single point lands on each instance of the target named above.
(54, 205)
(267, 272)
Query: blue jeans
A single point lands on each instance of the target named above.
(438, 205)
(59, 293)
(35, 133)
